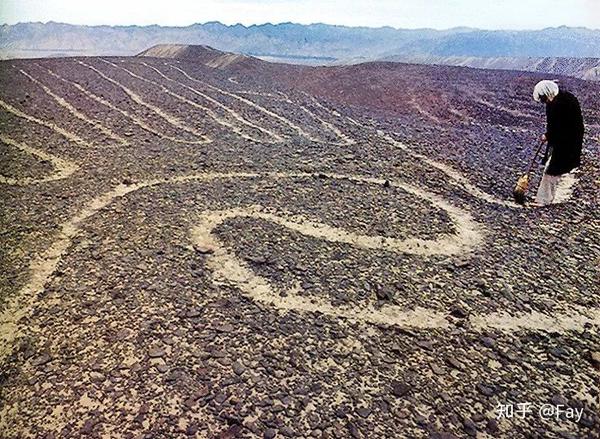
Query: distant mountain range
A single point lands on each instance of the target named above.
(583, 68)
(549, 50)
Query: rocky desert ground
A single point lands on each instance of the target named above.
(248, 250)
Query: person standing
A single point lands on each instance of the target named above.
(564, 137)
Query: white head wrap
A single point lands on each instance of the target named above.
(545, 88)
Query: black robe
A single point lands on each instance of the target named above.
(564, 133)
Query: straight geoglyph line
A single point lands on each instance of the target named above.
(63, 103)
(138, 99)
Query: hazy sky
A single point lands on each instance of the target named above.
(439, 14)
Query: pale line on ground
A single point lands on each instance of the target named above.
(345, 139)
(480, 98)
(252, 104)
(413, 102)
(233, 113)
(44, 265)
(62, 168)
(67, 134)
(537, 321)
(464, 117)
(468, 233)
(333, 111)
(337, 114)
(230, 270)
(515, 113)
(506, 128)
(456, 179)
(177, 96)
(258, 93)
(332, 128)
(461, 182)
(106, 103)
(138, 99)
(63, 103)
(358, 124)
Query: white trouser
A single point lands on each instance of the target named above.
(555, 188)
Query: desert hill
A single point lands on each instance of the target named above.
(199, 248)
(385, 87)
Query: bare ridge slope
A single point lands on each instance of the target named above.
(583, 68)
(273, 250)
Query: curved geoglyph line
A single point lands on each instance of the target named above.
(223, 122)
(71, 109)
(138, 99)
(62, 168)
(229, 269)
(43, 265)
(224, 265)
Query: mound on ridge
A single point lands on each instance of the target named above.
(197, 52)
